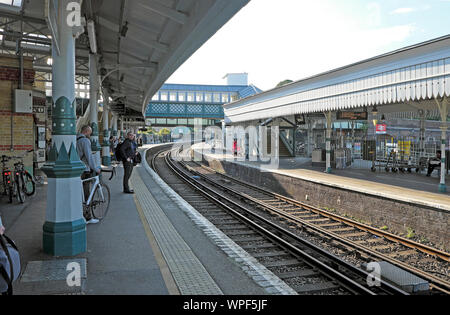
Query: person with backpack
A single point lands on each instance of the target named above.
(92, 169)
(9, 263)
(127, 154)
(2, 228)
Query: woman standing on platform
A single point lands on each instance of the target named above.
(235, 147)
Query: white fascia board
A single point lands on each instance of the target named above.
(419, 54)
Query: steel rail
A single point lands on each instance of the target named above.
(331, 273)
(392, 237)
(436, 282)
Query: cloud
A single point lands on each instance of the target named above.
(411, 10)
(403, 10)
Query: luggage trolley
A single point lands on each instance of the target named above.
(386, 157)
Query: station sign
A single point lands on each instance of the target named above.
(381, 129)
(352, 116)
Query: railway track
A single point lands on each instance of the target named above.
(304, 266)
(347, 237)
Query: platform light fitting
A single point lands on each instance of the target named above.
(124, 30)
(375, 111)
(92, 37)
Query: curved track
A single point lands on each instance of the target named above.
(307, 268)
(371, 243)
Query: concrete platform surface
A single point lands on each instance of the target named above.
(124, 256)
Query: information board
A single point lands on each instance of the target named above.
(352, 116)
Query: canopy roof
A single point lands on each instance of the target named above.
(140, 43)
(404, 80)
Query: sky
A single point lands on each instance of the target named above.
(276, 40)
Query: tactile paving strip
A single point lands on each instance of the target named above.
(255, 270)
(188, 272)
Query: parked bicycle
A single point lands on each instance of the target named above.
(99, 198)
(25, 184)
(19, 183)
(7, 180)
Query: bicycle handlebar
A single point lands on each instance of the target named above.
(113, 172)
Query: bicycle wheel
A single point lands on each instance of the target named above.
(29, 186)
(100, 201)
(5, 187)
(18, 185)
(10, 193)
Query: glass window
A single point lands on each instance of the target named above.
(173, 96)
(199, 97)
(155, 97)
(161, 121)
(234, 97)
(190, 97)
(171, 121)
(164, 96)
(182, 96)
(182, 121)
(216, 97)
(208, 97)
(191, 121)
(225, 98)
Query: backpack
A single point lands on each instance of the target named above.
(118, 152)
(137, 159)
(9, 264)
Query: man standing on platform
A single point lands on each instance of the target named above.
(92, 169)
(128, 154)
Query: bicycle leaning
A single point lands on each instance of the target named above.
(18, 183)
(98, 202)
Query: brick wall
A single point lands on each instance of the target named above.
(22, 124)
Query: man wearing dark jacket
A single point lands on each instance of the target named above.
(128, 152)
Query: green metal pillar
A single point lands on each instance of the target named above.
(328, 142)
(64, 231)
(443, 109)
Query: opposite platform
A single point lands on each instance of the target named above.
(382, 205)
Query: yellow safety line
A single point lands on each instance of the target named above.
(165, 271)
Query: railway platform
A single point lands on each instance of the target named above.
(147, 245)
(399, 202)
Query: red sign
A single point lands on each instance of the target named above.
(381, 129)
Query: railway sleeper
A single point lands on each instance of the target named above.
(403, 253)
(318, 221)
(248, 239)
(344, 229)
(260, 246)
(231, 233)
(305, 273)
(330, 225)
(270, 254)
(315, 287)
(356, 234)
(230, 227)
(282, 263)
